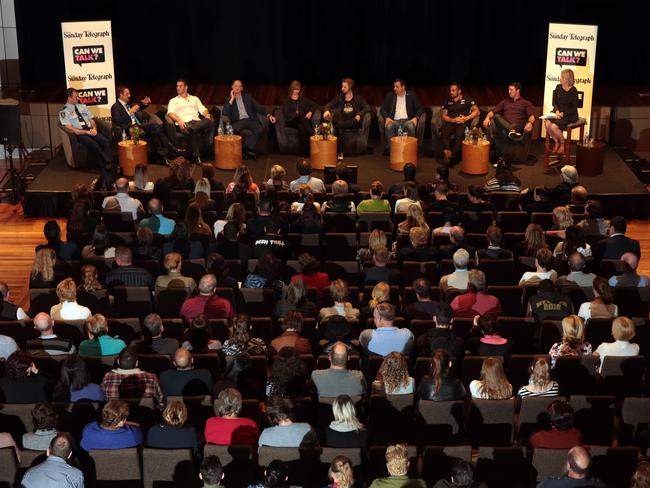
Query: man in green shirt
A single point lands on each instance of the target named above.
(375, 203)
(397, 462)
(211, 472)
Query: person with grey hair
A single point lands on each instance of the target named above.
(459, 278)
(457, 236)
(156, 342)
(55, 472)
(207, 302)
(157, 222)
(561, 194)
(578, 463)
(577, 275)
(48, 344)
(122, 201)
(630, 277)
(475, 301)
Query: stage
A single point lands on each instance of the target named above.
(617, 188)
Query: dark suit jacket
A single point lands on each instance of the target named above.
(250, 104)
(121, 117)
(614, 247)
(413, 106)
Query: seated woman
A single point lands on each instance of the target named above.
(144, 249)
(540, 381)
(309, 220)
(562, 219)
(440, 385)
(414, 218)
(294, 298)
(22, 382)
(182, 244)
(284, 432)
(288, 375)
(290, 337)
(573, 340)
(228, 428)
(194, 221)
(80, 220)
(243, 179)
(210, 173)
(534, 240)
(236, 213)
(493, 384)
(574, 241)
(99, 342)
(562, 434)
(380, 293)
(312, 276)
(68, 308)
(277, 182)
(339, 202)
(202, 197)
(565, 108)
(340, 293)
(376, 239)
(218, 266)
(172, 433)
(450, 218)
(486, 338)
(113, 431)
(99, 246)
(304, 196)
(504, 180)
(475, 301)
(174, 278)
(544, 262)
(393, 376)
(44, 272)
(267, 274)
(411, 196)
(241, 340)
(602, 306)
(46, 422)
(197, 337)
(345, 430)
(623, 331)
(75, 382)
(341, 473)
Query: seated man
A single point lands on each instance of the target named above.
(337, 379)
(561, 193)
(65, 251)
(55, 471)
(380, 270)
(549, 303)
(457, 238)
(304, 170)
(78, 120)
(229, 246)
(459, 278)
(207, 302)
(385, 338)
(8, 310)
(125, 115)
(113, 432)
(100, 343)
(397, 464)
(241, 108)
(629, 277)
(617, 243)
(128, 381)
(577, 276)
(345, 111)
(342, 172)
(192, 118)
(122, 201)
(174, 279)
(457, 114)
(440, 202)
(424, 308)
(544, 261)
(48, 344)
(272, 242)
(409, 171)
(125, 273)
(159, 344)
(494, 250)
(184, 379)
(375, 203)
(441, 336)
(401, 109)
(513, 118)
(577, 469)
(157, 222)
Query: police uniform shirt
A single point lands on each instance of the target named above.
(462, 107)
(78, 116)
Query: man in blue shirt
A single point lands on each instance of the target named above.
(113, 432)
(55, 472)
(158, 223)
(78, 120)
(386, 338)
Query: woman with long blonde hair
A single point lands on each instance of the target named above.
(43, 274)
(565, 108)
(345, 430)
(562, 219)
(393, 376)
(376, 239)
(494, 384)
(380, 293)
(540, 380)
(534, 240)
(414, 218)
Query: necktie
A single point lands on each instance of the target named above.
(82, 121)
(128, 107)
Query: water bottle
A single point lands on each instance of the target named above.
(123, 136)
(220, 129)
(229, 129)
(467, 133)
(400, 132)
(585, 142)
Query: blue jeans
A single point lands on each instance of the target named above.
(391, 129)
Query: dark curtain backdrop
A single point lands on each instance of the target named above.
(274, 41)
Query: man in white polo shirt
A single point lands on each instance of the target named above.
(186, 111)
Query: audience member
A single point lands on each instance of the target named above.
(174, 278)
(46, 422)
(172, 433)
(207, 302)
(339, 292)
(113, 431)
(440, 385)
(345, 430)
(337, 329)
(409, 172)
(122, 201)
(128, 381)
(573, 340)
(7, 346)
(337, 379)
(294, 298)
(68, 308)
(99, 342)
(561, 193)
(594, 223)
(419, 250)
(411, 197)
(236, 214)
(228, 428)
(549, 303)
(540, 383)
(290, 337)
(8, 310)
(423, 308)
(577, 468)
(276, 181)
(305, 178)
(159, 344)
(562, 219)
(393, 376)
(541, 202)
(397, 464)
(414, 218)
(623, 331)
(157, 222)
(534, 240)
(459, 279)
(22, 382)
(562, 434)
(340, 202)
(89, 280)
(341, 473)
(375, 203)
(144, 248)
(48, 343)
(441, 202)
(198, 337)
(544, 262)
(461, 476)
(211, 471)
(476, 201)
(386, 338)
(185, 380)
(75, 383)
(617, 243)
(311, 276)
(441, 337)
(242, 341)
(630, 277)
(126, 274)
(284, 432)
(99, 248)
(380, 270)
(486, 339)
(475, 301)
(272, 242)
(287, 375)
(602, 306)
(457, 236)
(577, 276)
(493, 383)
(55, 471)
(494, 250)
(44, 273)
(64, 251)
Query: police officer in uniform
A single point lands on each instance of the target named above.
(457, 114)
(77, 118)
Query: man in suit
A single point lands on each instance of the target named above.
(241, 108)
(126, 115)
(401, 108)
(617, 243)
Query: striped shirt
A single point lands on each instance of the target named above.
(554, 390)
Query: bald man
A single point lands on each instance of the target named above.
(48, 344)
(338, 380)
(577, 275)
(629, 277)
(207, 302)
(577, 467)
(122, 201)
(184, 380)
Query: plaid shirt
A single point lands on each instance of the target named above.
(131, 383)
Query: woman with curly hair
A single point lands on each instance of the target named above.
(89, 281)
(414, 218)
(573, 340)
(341, 473)
(562, 219)
(44, 273)
(237, 214)
(393, 376)
(22, 382)
(541, 383)
(241, 341)
(288, 375)
(494, 384)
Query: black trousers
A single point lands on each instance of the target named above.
(251, 125)
(201, 134)
(305, 131)
(457, 133)
(100, 148)
(341, 124)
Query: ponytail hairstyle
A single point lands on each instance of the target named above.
(439, 368)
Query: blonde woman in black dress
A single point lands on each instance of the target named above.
(565, 107)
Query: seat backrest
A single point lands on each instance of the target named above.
(8, 465)
(352, 453)
(227, 454)
(437, 461)
(174, 465)
(445, 413)
(286, 454)
(548, 463)
(117, 464)
(502, 466)
(22, 411)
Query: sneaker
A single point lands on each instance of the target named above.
(198, 161)
(340, 157)
(515, 136)
(446, 156)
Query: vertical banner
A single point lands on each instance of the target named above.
(88, 54)
(571, 46)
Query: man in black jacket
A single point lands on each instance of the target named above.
(346, 110)
(617, 243)
(401, 108)
(125, 115)
(241, 108)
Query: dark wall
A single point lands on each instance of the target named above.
(274, 41)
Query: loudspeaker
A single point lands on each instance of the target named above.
(10, 122)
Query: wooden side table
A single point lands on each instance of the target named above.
(403, 150)
(476, 158)
(590, 158)
(227, 151)
(322, 151)
(130, 155)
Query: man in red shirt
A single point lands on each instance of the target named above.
(207, 302)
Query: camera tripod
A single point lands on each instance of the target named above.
(16, 184)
